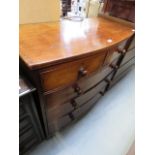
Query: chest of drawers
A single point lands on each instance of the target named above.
(69, 63)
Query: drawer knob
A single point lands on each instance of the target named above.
(77, 89)
(108, 81)
(74, 104)
(82, 71)
(121, 51)
(114, 66)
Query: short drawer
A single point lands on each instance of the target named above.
(66, 74)
(129, 55)
(88, 95)
(58, 124)
(87, 106)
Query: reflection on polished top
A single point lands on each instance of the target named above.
(44, 44)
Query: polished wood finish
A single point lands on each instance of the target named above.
(45, 44)
(72, 68)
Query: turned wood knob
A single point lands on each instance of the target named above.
(121, 51)
(114, 66)
(74, 104)
(78, 89)
(82, 71)
(108, 81)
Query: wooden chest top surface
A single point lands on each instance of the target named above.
(45, 44)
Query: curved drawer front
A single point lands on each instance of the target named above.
(65, 74)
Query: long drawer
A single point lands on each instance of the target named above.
(68, 73)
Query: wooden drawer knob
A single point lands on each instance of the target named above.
(121, 51)
(108, 81)
(77, 89)
(113, 66)
(82, 71)
(74, 104)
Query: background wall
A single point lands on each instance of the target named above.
(34, 11)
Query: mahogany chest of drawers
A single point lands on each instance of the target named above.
(72, 64)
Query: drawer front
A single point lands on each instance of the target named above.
(65, 74)
(125, 67)
(58, 124)
(129, 55)
(84, 108)
(88, 95)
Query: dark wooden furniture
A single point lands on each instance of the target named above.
(72, 64)
(124, 9)
(30, 130)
